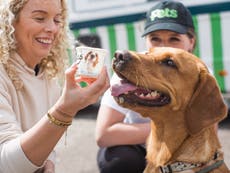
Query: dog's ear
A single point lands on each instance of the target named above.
(206, 106)
(87, 55)
(96, 60)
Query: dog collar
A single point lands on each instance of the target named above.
(182, 166)
(178, 166)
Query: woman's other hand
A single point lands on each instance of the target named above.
(49, 167)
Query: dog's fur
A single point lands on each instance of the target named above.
(184, 104)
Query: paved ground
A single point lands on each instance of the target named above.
(79, 155)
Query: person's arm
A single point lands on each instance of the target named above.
(39, 141)
(111, 131)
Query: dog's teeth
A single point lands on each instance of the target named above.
(121, 100)
(142, 95)
(148, 95)
(154, 94)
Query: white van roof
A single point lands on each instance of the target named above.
(88, 10)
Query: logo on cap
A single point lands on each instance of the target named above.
(161, 13)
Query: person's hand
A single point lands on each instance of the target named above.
(49, 167)
(74, 97)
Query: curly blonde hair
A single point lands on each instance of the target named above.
(54, 64)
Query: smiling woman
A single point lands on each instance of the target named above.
(28, 27)
(35, 110)
(36, 30)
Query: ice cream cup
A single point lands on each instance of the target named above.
(90, 61)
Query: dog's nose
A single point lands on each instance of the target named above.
(121, 58)
(122, 55)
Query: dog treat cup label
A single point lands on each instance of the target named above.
(90, 61)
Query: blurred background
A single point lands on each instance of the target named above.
(118, 25)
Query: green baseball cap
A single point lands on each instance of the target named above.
(168, 15)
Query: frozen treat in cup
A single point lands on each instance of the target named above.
(90, 61)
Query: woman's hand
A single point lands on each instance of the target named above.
(75, 98)
(49, 167)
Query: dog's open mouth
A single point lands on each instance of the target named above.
(130, 93)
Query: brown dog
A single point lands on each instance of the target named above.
(175, 89)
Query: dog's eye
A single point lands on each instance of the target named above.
(169, 62)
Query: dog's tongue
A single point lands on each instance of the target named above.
(122, 87)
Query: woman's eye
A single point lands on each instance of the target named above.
(155, 39)
(169, 62)
(39, 18)
(58, 19)
(174, 39)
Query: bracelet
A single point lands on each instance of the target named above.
(63, 113)
(58, 122)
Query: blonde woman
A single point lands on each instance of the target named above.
(34, 110)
